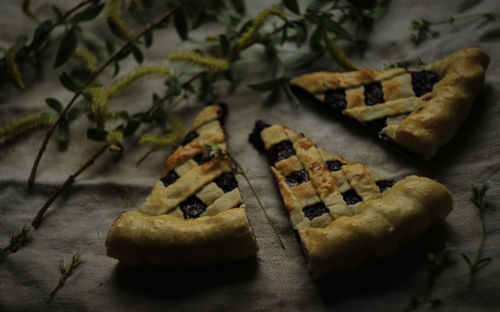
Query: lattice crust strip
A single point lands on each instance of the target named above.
(194, 215)
(417, 109)
(334, 202)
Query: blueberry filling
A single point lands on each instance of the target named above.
(423, 81)
(351, 197)
(169, 178)
(226, 182)
(192, 207)
(336, 99)
(202, 157)
(314, 210)
(384, 185)
(297, 177)
(279, 151)
(190, 137)
(377, 125)
(373, 94)
(334, 165)
(255, 137)
(222, 112)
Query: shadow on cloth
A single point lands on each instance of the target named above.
(184, 282)
(386, 274)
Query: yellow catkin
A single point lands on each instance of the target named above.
(99, 106)
(114, 140)
(251, 34)
(141, 72)
(174, 136)
(115, 15)
(26, 7)
(337, 54)
(210, 63)
(88, 58)
(24, 124)
(12, 69)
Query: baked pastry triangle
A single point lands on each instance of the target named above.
(194, 215)
(419, 110)
(345, 214)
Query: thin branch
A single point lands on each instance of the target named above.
(144, 157)
(78, 6)
(31, 179)
(38, 218)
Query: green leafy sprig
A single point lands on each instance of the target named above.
(477, 262)
(421, 29)
(436, 263)
(17, 240)
(21, 52)
(66, 272)
(74, 87)
(218, 150)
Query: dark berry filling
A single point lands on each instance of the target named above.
(334, 165)
(169, 178)
(423, 81)
(192, 207)
(255, 137)
(377, 125)
(314, 210)
(374, 93)
(297, 177)
(336, 99)
(203, 157)
(190, 137)
(226, 182)
(351, 197)
(222, 112)
(384, 185)
(279, 151)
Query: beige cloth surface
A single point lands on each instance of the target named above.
(277, 279)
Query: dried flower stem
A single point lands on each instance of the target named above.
(478, 198)
(32, 176)
(220, 151)
(65, 273)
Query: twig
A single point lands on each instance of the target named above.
(220, 151)
(38, 218)
(31, 179)
(435, 264)
(78, 6)
(452, 19)
(65, 273)
(17, 240)
(478, 198)
(144, 157)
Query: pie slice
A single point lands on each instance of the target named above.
(419, 110)
(345, 214)
(194, 215)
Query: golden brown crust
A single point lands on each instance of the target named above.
(362, 220)
(379, 227)
(163, 199)
(435, 121)
(419, 123)
(189, 218)
(137, 239)
(319, 83)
